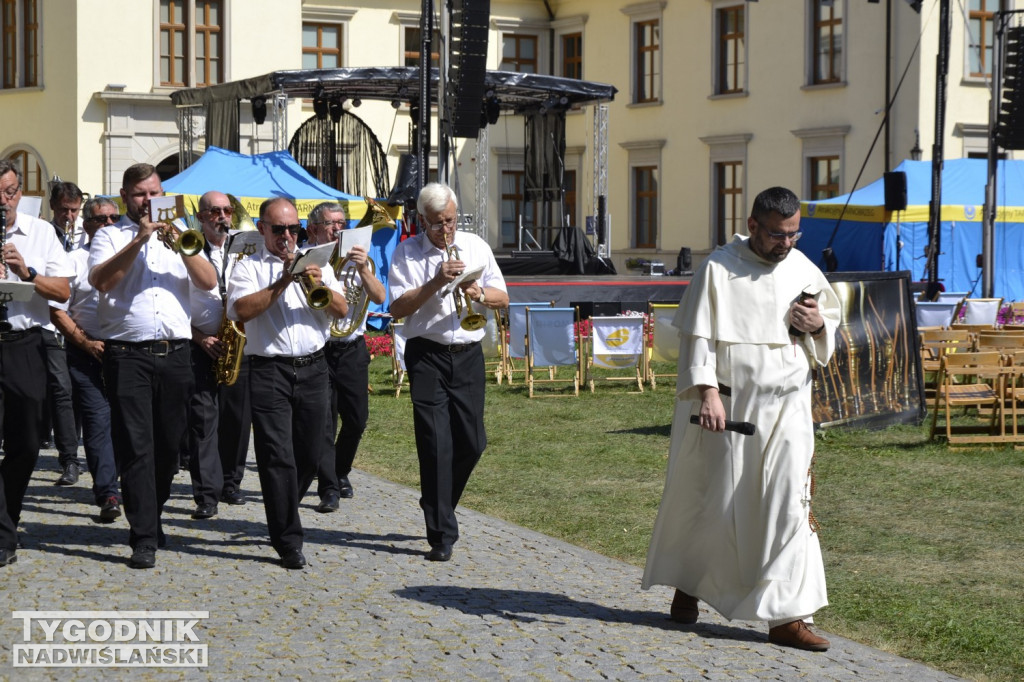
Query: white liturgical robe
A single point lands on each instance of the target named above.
(733, 527)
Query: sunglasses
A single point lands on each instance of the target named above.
(278, 230)
(104, 219)
(223, 210)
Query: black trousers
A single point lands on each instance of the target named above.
(93, 411)
(204, 460)
(349, 366)
(60, 411)
(235, 424)
(289, 416)
(447, 391)
(22, 399)
(149, 388)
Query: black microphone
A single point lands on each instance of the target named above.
(742, 428)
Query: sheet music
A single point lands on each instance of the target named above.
(17, 290)
(466, 276)
(361, 236)
(315, 255)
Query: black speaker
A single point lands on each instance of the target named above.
(464, 92)
(684, 261)
(895, 191)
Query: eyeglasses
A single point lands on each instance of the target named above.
(10, 192)
(223, 210)
(333, 223)
(783, 236)
(449, 222)
(104, 219)
(278, 230)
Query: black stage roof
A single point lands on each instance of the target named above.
(516, 92)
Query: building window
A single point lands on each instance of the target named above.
(321, 46)
(645, 207)
(729, 214)
(518, 53)
(730, 61)
(191, 43)
(412, 47)
(827, 41)
(19, 43)
(823, 174)
(514, 205)
(647, 77)
(32, 174)
(980, 37)
(572, 55)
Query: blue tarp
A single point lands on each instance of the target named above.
(252, 179)
(866, 238)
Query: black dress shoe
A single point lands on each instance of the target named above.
(69, 474)
(143, 557)
(440, 553)
(328, 504)
(205, 511)
(232, 497)
(293, 559)
(8, 556)
(345, 488)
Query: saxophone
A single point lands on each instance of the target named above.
(229, 363)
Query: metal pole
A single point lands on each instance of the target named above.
(423, 141)
(988, 219)
(888, 87)
(935, 205)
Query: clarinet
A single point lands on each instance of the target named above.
(5, 326)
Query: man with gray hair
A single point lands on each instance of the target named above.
(444, 360)
(76, 320)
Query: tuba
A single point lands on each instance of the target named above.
(472, 320)
(355, 294)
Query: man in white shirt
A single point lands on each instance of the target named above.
(444, 361)
(348, 361)
(31, 253)
(76, 320)
(144, 316)
(288, 376)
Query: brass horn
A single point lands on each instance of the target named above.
(355, 294)
(188, 242)
(472, 320)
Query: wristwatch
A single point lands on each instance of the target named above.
(31, 275)
(480, 299)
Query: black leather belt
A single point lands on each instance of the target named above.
(159, 348)
(18, 334)
(444, 347)
(300, 361)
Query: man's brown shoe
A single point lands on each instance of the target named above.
(797, 635)
(684, 608)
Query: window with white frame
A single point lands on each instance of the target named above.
(728, 157)
(19, 44)
(730, 49)
(191, 44)
(644, 192)
(826, 41)
(823, 154)
(645, 41)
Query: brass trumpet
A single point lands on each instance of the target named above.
(187, 243)
(472, 320)
(317, 297)
(355, 294)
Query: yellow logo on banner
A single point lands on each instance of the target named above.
(617, 338)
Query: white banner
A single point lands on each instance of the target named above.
(617, 341)
(552, 341)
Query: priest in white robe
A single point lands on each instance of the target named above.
(733, 529)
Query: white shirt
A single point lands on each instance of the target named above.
(37, 243)
(415, 262)
(207, 307)
(289, 327)
(151, 302)
(84, 297)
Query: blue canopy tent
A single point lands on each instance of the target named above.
(866, 238)
(253, 179)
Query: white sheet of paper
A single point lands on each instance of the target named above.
(361, 236)
(466, 276)
(30, 205)
(246, 242)
(18, 291)
(166, 209)
(314, 255)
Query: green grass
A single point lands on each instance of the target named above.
(923, 544)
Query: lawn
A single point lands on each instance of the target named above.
(923, 544)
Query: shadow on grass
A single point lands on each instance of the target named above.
(524, 605)
(654, 430)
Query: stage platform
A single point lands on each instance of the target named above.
(598, 295)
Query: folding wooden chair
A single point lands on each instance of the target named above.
(981, 310)
(935, 344)
(492, 346)
(999, 340)
(397, 356)
(553, 341)
(515, 342)
(934, 315)
(971, 380)
(616, 344)
(665, 340)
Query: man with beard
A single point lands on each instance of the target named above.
(145, 319)
(734, 526)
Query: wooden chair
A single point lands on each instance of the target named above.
(553, 341)
(935, 344)
(617, 343)
(397, 356)
(664, 340)
(1016, 313)
(981, 310)
(493, 347)
(974, 379)
(999, 340)
(515, 337)
(932, 315)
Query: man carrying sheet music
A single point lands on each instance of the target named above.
(444, 361)
(31, 254)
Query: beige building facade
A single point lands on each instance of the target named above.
(717, 99)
